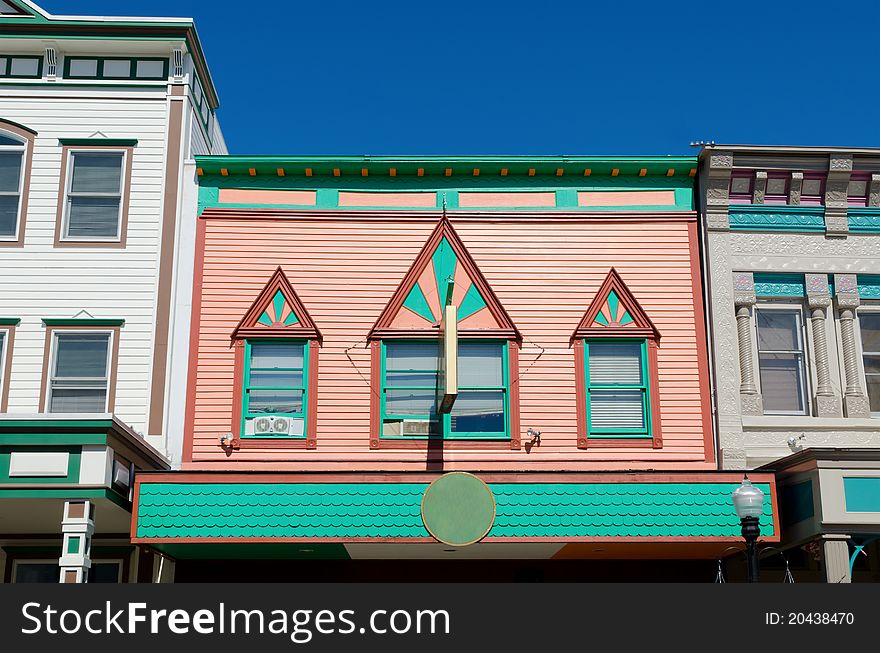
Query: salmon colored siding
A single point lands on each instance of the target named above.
(544, 271)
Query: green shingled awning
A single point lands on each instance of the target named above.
(358, 511)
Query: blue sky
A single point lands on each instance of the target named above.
(486, 77)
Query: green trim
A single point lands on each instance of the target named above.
(51, 438)
(246, 388)
(10, 321)
(773, 284)
(776, 217)
(68, 59)
(869, 286)
(444, 421)
(82, 321)
(73, 543)
(73, 465)
(418, 303)
(864, 220)
(7, 73)
(393, 510)
(63, 493)
(85, 142)
(644, 387)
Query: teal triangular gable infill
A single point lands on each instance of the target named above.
(393, 510)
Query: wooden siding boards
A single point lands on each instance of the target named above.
(545, 272)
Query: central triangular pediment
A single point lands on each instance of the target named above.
(277, 312)
(444, 268)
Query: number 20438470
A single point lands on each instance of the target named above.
(809, 618)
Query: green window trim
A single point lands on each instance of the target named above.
(246, 414)
(6, 72)
(645, 387)
(445, 420)
(100, 68)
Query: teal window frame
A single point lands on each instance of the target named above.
(100, 68)
(6, 73)
(645, 386)
(246, 388)
(445, 420)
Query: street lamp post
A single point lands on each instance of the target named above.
(749, 504)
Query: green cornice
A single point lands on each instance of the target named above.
(78, 142)
(10, 321)
(459, 165)
(82, 321)
(50, 27)
(19, 125)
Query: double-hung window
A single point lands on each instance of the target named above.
(782, 360)
(410, 371)
(618, 391)
(274, 396)
(94, 195)
(869, 325)
(12, 154)
(80, 372)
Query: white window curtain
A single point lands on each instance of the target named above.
(95, 195)
(781, 360)
(80, 373)
(11, 160)
(617, 393)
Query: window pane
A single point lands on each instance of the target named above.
(480, 364)
(869, 325)
(8, 214)
(9, 139)
(104, 572)
(276, 354)
(117, 68)
(37, 572)
(84, 68)
(411, 379)
(873, 382)
(410, 402)
(782, 382)
(78, 400)
(402, 356)
(10, 172)
(150, 69)
(478, 411)
(615, 363)
(276, 379)
(616, 410)
(778, 330)
(81, 355)
(93, 217)
(97, 173)
(275, 401)
(25, 67)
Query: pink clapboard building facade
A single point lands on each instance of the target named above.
(581, 430)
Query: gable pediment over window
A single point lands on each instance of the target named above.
(277, 312)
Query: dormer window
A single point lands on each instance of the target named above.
(146, 68)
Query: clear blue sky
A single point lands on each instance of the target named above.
(486, 77)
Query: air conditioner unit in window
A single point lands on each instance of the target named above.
(416, 427)
(271, 425)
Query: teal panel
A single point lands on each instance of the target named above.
(381, 510)
(600, 318)
(278, 303)
(757, 217)
(869, 286)
(291, 319)
(771, 284)
(265, 319)
(862, 493)
(865, 220)
(418, 303)
(626, 319)
(444, 265)
(473, 301)
(613, 303)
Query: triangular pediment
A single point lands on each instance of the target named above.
(615, 311)
(444, 266)
(277, 312)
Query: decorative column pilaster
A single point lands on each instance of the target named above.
(744, 299)
(836, 205)
(717, 190)
(794, 191)
(835, 555)
(77, 528)
(846, 291)
(760, 187)
(827, 404)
